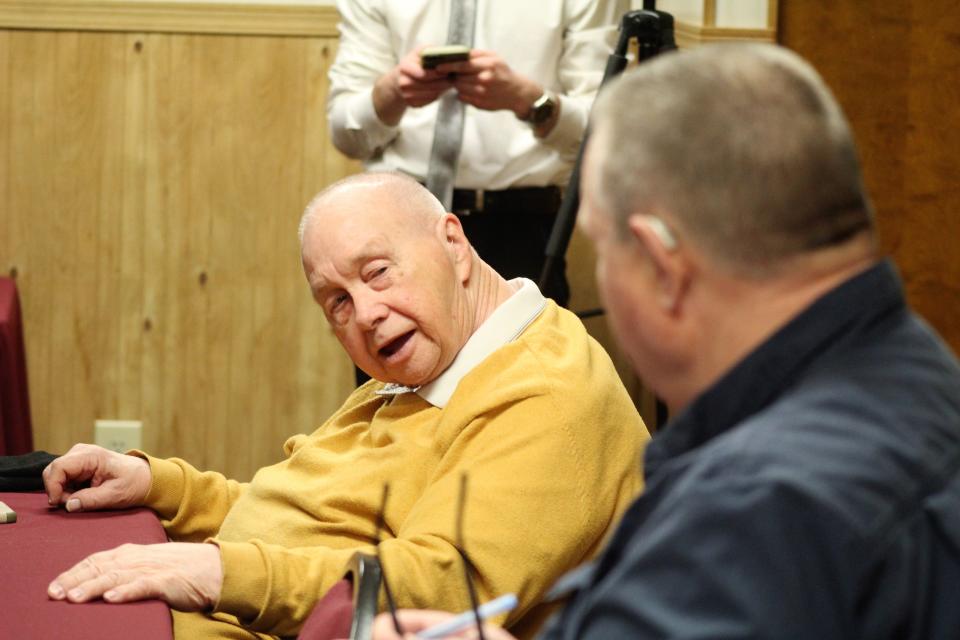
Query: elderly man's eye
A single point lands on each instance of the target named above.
(337, 301)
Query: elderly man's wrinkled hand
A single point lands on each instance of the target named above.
(116, 481)
(188, 576)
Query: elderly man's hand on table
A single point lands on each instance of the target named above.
(117, 481)
(187, 576)
(413, 621)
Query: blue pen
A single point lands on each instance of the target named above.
(503, 604)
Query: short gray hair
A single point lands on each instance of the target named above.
(742, 144)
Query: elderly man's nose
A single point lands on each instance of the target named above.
(369, 310)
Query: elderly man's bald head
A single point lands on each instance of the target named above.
(404, 195)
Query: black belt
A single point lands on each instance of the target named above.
(533, 199)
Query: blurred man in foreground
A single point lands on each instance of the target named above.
(808, 486)
(473, 375)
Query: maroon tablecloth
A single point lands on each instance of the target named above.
(16, 434)
(44, 542)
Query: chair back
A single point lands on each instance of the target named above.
(347, 610)
(332, 616)
(16, 430)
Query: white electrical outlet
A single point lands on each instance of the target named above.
(118, 435)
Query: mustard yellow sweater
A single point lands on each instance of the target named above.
(544, 429)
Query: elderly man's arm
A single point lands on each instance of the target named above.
(191, 504)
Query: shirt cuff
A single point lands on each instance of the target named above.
(567, 133)
(361, 116)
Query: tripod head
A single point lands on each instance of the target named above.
(653, 30)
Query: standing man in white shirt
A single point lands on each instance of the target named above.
(532, 75)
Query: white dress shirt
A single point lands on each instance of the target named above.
(561, 44)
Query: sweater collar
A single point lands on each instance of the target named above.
(503, 326)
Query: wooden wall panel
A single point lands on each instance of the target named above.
(895, 67)
(149, 196)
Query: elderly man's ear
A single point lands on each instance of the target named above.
(457, 246)
(671, 269)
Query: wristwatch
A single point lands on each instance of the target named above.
(544, 108)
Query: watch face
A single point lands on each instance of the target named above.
(543, 109)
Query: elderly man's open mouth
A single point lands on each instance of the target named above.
(395, 345)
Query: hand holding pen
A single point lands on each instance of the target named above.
(467, 619)
(426, 625)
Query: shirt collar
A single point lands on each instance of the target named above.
(503, 326)
(759, 379)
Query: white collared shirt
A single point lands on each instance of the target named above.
(561, 44)
(503, 326)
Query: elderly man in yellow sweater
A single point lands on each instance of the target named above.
(472, 374)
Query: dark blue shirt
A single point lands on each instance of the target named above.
(812, 492)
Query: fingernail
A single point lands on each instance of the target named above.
(55, 591)
(110, 595)
(73, 504)
(76, 594)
